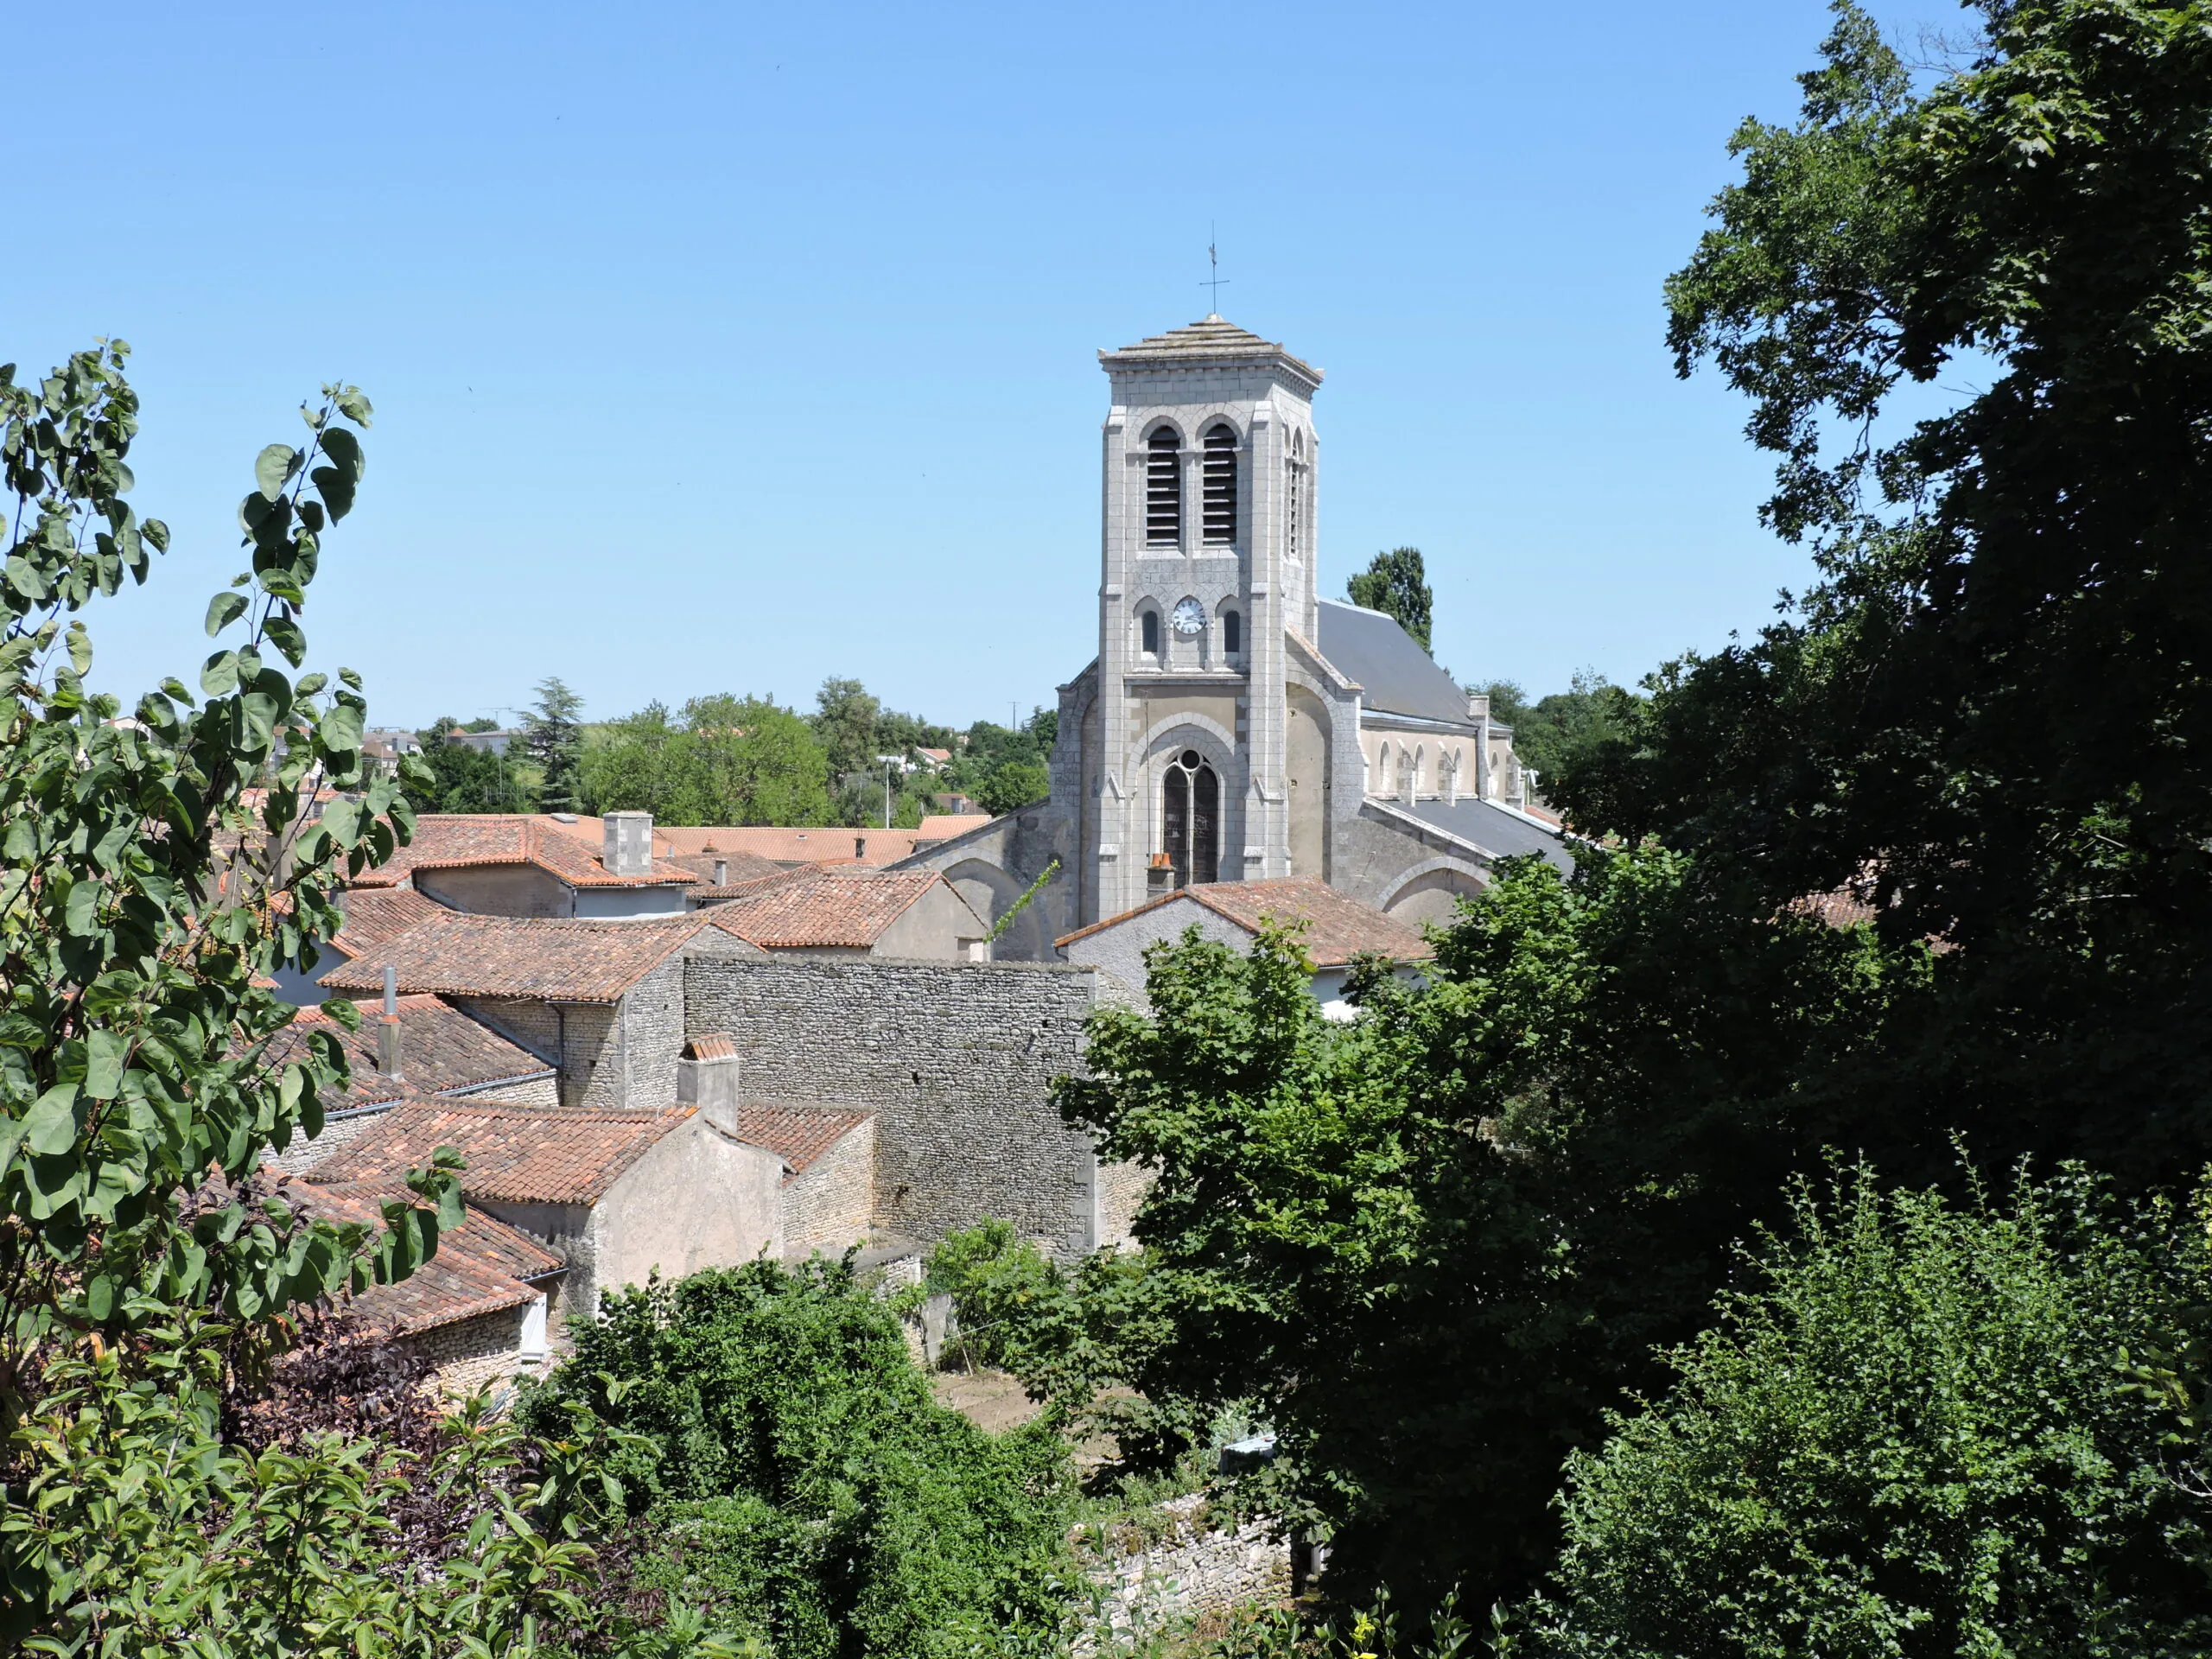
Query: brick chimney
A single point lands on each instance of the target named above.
(628, 844)
(706, 1076)
(1159, 876)
(388, 1057)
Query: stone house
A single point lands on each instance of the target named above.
(1334, 928)
(478, 1310)
(372, 916)
(615, 1195)
(519, 865)
(428, 1049)
(913, 915)
(601, 1002)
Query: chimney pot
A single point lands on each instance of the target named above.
(706, 1077)
(722, 872)
(388, 1055)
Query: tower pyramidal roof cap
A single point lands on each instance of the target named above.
(1211, 340)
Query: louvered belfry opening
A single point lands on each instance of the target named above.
(1191, 819)
(1220, 485)
(1163, 489)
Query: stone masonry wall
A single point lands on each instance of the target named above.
(582, 1039)
(304, 1154)
(472, 1353)
(1189, 1573)
(830, 1205)
(955, 1059)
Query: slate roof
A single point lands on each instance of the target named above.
(1210, 339)
(515, 1154)
(1338, 927)
(798, 1135)
(1394, 674)
(828, 909)
(456, 954)
(1497, 831)
(374, 916)
(479, 1267)
(441, 1050)
(461, 841)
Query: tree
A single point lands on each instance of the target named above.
(751, 760)
(802, 1475)
(1395, 584)
(1564, 727)
(1014, 784)
(554, 740)
(1928, 1429)
(456, 778)
(845, 720)
(2037, 547)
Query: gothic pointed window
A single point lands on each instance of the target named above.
(1163, 489)
(1220, 486)
(1148, 632)
(1190, 819)
(1232, 633)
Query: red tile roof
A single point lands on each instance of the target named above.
(441, 1050)
(798, 1135)
(735, 867)
(944, 826)
(479, 1267)
(456, 954)
(374, 916)
(829, 910)
(515, 1154)
(457, 840)
(812, 845)
(1338, 927)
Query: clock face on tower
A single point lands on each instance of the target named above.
(1190, 618)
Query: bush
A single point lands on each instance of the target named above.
(1936, 1430)
(799, 1475)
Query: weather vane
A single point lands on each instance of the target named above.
(1216, 279)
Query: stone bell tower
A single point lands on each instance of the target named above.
(1207, 572)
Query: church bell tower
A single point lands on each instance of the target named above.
(1206, 574)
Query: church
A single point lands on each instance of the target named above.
(1236, 725)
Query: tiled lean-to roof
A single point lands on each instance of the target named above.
(441, 1050)
(826, 910)
(798, 1135)
(1337, 927)
(455, 954)
(479, 1267)
(458, 840)
(376, 915)
(515, 1154)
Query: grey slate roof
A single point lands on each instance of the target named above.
(1497, 831)
(1399, 676)
(1211, 340)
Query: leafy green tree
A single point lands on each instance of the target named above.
(1562, 728)
(1509, 702)
(1395, 584)
(1013, 785)
(845, 720)
(457, 779)
(751, 760)
(2036, 224)
(1432, 1245)
(793, 1457)
(1928, 1429)
(553, 739)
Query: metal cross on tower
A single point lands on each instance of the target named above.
(1216, 280)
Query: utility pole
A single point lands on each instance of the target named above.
(889, 762)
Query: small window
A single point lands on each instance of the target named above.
(1148, 626)
(1220, 485)
(1163, 490)
(1232, 632)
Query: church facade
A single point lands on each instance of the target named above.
(1236, 725)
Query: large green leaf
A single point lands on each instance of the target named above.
(273, 469)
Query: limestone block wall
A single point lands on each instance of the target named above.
(955, 1060)
(580, 1038)
(473, 1354)
(830, 1205)
(305, 1153)
(1192, 1572)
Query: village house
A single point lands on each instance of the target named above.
(1335, 932)
(916, 915)
(520, 865)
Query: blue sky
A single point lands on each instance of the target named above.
(725, 348)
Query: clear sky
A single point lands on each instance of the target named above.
(726, 348)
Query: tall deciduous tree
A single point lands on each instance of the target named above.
(1395, 584)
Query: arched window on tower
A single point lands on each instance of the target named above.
(1232, 633)
(1163, 489)
(1148, 632)
(1220, 485)
(1294, 468)
(1190, 819)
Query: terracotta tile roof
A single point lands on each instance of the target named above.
(515, 1154)
(458, 840)
(479, 1268)
(1338, 928)
(829, 909)
(455, 954)
(753, 886)
(710, 1046)
(441, 1050)
(375, 916)
(812, 845)
(734, 868)
(943, 826)
(798, 1135)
